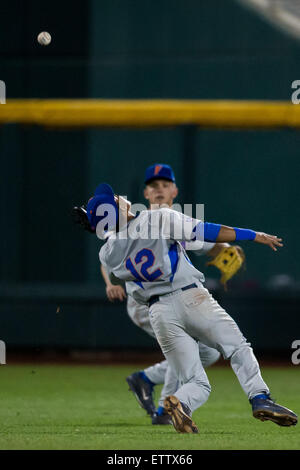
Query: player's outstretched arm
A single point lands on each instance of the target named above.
(229, 234)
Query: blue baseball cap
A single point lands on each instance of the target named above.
(104, 194)
(159, 171)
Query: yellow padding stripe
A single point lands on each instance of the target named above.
(143, 113)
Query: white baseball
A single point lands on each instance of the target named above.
(44, 38)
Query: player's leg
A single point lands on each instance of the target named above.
(157, 372)
(139, 314)
(210, 323)
(182, 353)
(171, 384)
(142, 382)
(193, 386)
(208, 357)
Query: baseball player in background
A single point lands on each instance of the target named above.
(160, 190)
(182, 311)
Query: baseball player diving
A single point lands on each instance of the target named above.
(161, 190)
(145, 252)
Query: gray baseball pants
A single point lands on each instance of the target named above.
(162, 373)
(183, 318)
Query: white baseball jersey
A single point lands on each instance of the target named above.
(147, 255)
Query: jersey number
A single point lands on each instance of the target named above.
(141, 272)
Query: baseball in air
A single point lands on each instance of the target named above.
(44, 38)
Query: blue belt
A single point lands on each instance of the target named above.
(155, 298)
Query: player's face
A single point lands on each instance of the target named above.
(160, 192)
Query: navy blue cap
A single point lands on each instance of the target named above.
(104, 194)
(159, 171)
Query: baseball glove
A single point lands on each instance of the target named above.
(228, 261)
(79, 217)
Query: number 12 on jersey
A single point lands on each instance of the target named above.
(143, 261)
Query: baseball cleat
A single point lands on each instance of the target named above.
(161, 417)
(143, 391)
(264, 408)
(179, 413)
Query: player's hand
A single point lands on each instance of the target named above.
(115, 293)
(272, 240)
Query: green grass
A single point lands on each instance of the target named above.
(90, 407)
